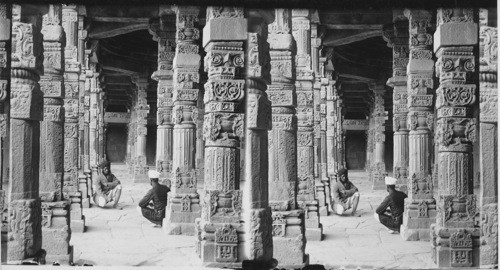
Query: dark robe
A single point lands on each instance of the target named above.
(396, 202)
(158, 194)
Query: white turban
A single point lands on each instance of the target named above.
(390, 180)
(153, 174)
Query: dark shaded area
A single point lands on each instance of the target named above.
(151, 145)
(116, 142)
(355, 152)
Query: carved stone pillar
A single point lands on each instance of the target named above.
(184, 205)
(220, 231)
(378, 115)
(455, 239)
(420, 209)
(488, 141)
(256, 210)
(164, 135)
(55, 237)
(71, 96)
(288, 220)
(141, 109)
(305, 124)
(396, 36)
(85, 181)
(26, 112)
(331, 116)
(95, 89)
(319, 94)
(5, 29)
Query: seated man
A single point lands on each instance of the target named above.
(345, 194)
(108, 187)
(158, 194)
(395, 201)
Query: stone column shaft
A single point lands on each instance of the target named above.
(141, 109)
(301, 30)
(52, 142)
(396, 35)
(5, 55)
(321, 178)
(223, 130)
(26, 112)
(256, 210)
(378, 115)
(420, 206)
(71, 107)
(456, 132)
(488, 142)
(288, 226)
(179, 218)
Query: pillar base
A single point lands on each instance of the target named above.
(78, 226)
(38, 259)
(181, 213)
(225, 254)
(289, 252)
(455, 247)
(323, 210)
(289, 241)
(417, 222)
(314, 234)
(86, 203)
(65, 259)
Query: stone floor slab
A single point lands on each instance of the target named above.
(122, 237)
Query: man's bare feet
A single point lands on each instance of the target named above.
(355, 214)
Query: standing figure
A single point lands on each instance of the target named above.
(108, 188)
(158, 194)
(390, 211)
(345, 194)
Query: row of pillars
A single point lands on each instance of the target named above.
(281, 198)
(437, 99)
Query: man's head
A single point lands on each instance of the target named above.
(390, 182)
(153, 176)
(342, 175)
(105, 167)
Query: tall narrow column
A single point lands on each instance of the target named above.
(5, 29)
(319, 94)
(71, 106)
(397, 37)
(220, 231)
(141, 109)
(256, 210)
(331, 113)
(488, 141)
(164, 135)
(55, 211)
(323, 82)
(420, 207)
(26, 112)
(339, 134)
(379, 117)
(95, 89)
(83, 125)
(288, 220)
(305, 124)
(184, 206)
(455, 239)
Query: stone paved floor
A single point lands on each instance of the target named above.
(122, 237)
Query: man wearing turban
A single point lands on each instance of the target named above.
(390, 211)
(108, 187)
(345, 194)
(158, 194)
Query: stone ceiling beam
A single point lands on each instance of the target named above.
(100, 30)
(341, 37)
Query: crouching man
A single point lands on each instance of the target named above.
(108, 187)
(345, 194)
(158, 194)
(390, 211)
